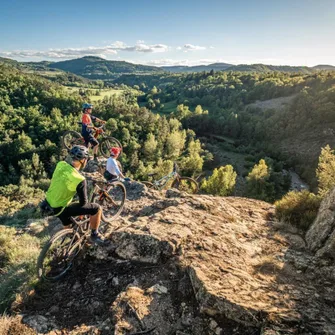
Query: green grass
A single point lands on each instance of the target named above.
(18, 256)
(169, 107)
(106, 93)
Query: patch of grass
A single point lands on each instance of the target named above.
(169, 107)
(106, 93)
(18, 256)
(14, 326)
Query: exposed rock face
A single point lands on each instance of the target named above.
(321, 235)
(175, 255)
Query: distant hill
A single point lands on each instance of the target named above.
(269, 68)
(42, 69)
(198, 68)
(246, 67)
(324, 67)
(99, 68)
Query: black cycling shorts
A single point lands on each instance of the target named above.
(91, 139)
(109, 177)
(76, 209)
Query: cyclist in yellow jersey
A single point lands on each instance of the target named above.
(65, 183)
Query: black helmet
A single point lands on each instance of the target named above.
(79, 152)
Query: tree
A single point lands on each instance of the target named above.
(198, 110)
(154, 90)
(258, 185)
(325, 171)
(221, 182)
(182, 112)
(150, 146)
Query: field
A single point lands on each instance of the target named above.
(103, 92)
(169, 107)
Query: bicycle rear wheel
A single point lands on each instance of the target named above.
(71, 138)
(186, 184)
(56, 257)
(113, 202)
(106, 144)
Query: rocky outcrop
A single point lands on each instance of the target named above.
(173, 255)
(236, 258)
(321, 235)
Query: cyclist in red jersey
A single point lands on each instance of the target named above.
(87, 128)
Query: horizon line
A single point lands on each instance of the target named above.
(168, 65)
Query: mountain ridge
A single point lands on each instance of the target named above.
(92, 67)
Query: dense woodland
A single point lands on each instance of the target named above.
(34, 114)
(287, 134)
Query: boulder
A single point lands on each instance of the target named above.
(320, 237)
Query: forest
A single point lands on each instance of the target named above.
(211, 115)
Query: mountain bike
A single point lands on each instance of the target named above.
(185, 184)
(58, 254)
(71, 138)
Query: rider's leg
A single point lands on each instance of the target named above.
(75, 209)
(95, 150)
(95, 220)
(95, 144)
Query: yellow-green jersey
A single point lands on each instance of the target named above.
(64, 182)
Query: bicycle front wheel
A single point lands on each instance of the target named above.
(71, 138)
(56, 257)
(186, 184)
(106, 144)
(112, 201)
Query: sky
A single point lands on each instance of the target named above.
(183, 32)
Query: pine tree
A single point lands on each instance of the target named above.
(258, 184)
(221, 182)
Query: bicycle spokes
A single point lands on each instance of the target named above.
(60, 255)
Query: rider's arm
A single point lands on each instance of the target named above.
(94, 118)
(82, 193)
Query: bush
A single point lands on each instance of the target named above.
(221, 182)
(298, 208)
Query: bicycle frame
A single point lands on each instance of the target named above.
(160, 184)
(102, 192)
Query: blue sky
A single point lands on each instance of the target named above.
(292, 32)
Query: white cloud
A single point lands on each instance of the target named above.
(104, 51)
(191, 47)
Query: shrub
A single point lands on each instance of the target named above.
(298, 208)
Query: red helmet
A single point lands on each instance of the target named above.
(115, 151)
